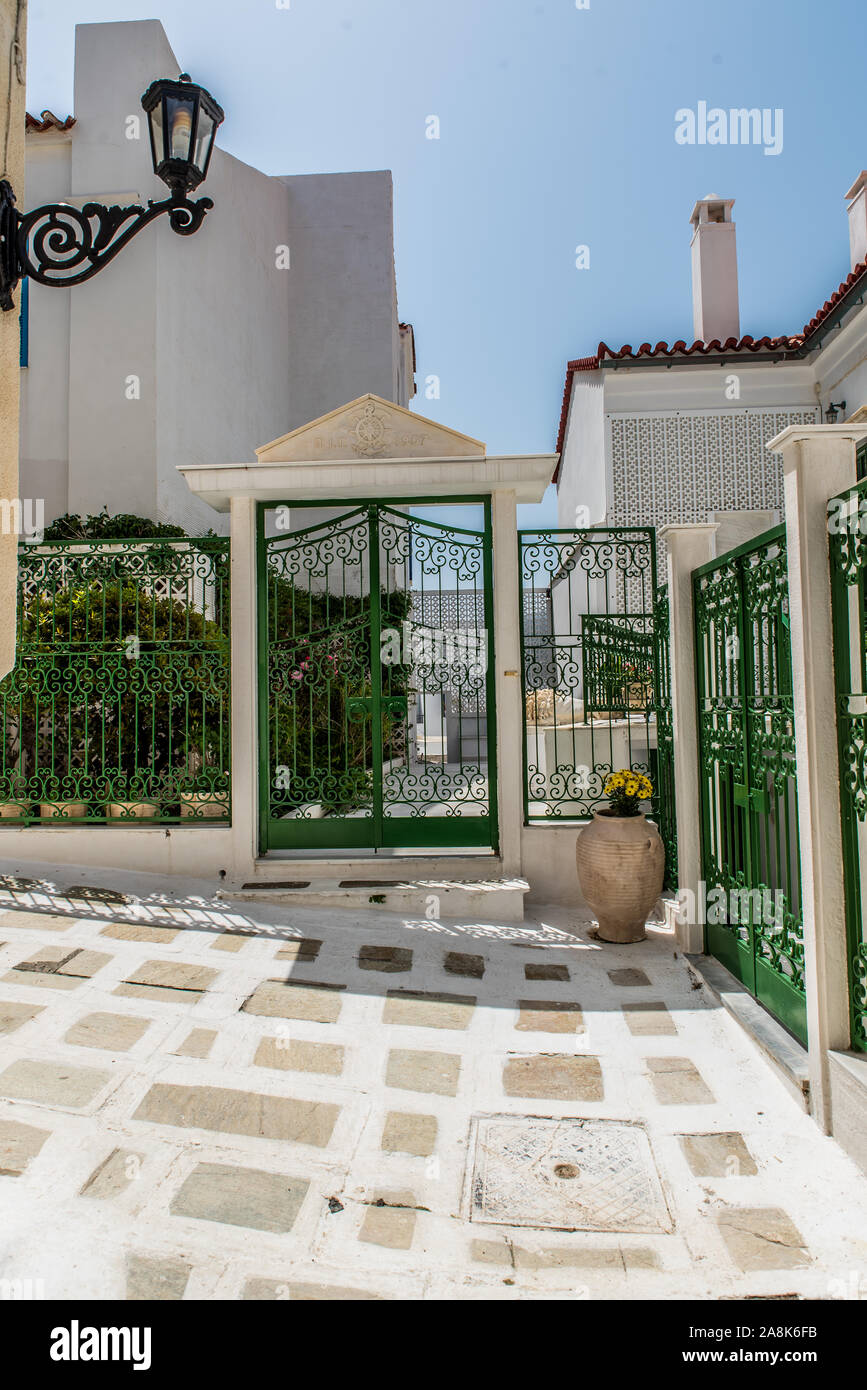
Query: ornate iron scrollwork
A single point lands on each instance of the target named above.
(59, 244)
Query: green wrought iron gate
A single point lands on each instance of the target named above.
(748, 777)
(596, 672)
(847, 526)
(376, 701)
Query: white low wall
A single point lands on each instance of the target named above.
(548, 865)
(193, 851)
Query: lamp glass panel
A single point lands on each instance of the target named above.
(157, 129)
(179, 115)
(204, 136)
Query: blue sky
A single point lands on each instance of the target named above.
(556, 130)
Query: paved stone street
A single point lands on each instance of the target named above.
(207, 1100)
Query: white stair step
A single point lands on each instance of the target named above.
(490, 900)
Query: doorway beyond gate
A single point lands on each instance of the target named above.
(747, 774)
(376, 676)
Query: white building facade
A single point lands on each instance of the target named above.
(676, 434)
(288, 287)
(742, 455)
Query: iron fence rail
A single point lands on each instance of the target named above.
(748, 774)
(595, 672)
(847, 524)
(117, 709)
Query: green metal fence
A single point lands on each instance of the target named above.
(847, 524)
(663, 771)
(747, 774)
(376, 680)
(117, 709)
(595, 683)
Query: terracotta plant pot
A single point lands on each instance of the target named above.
(63, 810)
(203, 806)
(133, 810)
(14, 810)
(621, 863)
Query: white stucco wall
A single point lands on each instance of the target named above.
(45, 382)
(583, 478)
(629, 458)
(229, 350)
(342, 330)
(841, 367)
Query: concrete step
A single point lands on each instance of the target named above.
(785, 1053)
(490, 900)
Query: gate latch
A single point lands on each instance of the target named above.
(751, 798)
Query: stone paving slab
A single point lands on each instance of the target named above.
(414, 1009)
(35, 921)
(549, 1016)
(390, 960)
(562, 1077)
(616, 1258)
(18, 1144)
(52, 1083)
(197, 1043)
(39, 979)
(173, 974)
(436, 1072)
(113, 1175)
(160, 994)
(648, 1020)
(409, 1134)
(292, 1054)
(718, 1155)
(304, 950)
(113, 1032)
(84, 964)
(762, 1238)
(154, 1279)
(137, 931)
(538, 970)
(390, 1221)
(305, 1293)
(677, 1081)
(465, 964)
(14, 1014)
(279, 999)
(238, 1112)
(236, 1196)
(628, 977)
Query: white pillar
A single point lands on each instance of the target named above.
(688, 547)
(736, 528)
(509, 681)
(818, 463)
(245, 709)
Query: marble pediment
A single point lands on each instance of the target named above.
(369, 428)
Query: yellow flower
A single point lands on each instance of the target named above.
(632, 786)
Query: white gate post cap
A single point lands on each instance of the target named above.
(798, 434)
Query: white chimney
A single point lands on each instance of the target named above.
(857, 200)
(714, 270)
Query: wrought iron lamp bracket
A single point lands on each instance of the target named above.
(59, 244)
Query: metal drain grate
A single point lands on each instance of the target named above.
(269, 887)
(570, 1175)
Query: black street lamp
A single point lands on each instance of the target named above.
(58, 244)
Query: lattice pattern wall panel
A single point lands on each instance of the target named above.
(678, 466)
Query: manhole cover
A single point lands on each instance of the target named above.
(573, 1175)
